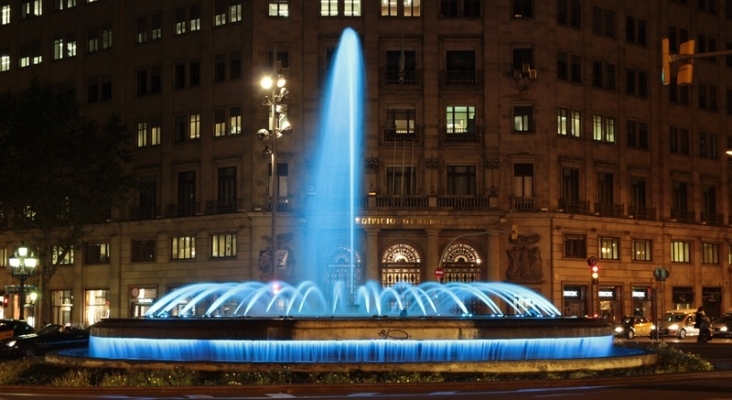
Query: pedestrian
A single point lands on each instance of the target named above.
(703, 324)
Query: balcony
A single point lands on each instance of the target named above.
(400, 135)
(222, 206)
(462, 202)
(682, 216)
(144, 213)
(460, 77)
(402, 201)
(468, 135)
(712, 219)
(182, 210)
(523, 204)
(642, 213)
(392, 77)
(575, 206)
(609, 210)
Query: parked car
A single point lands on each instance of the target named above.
(49, 338)
(679, 323)
(14, 327)
(722, 326)
(632, 326)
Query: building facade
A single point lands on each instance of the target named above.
(481, 117)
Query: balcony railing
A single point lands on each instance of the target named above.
(400, 135)
(712, 219)
(462, 201)
(403, 201)
(609, 210)
(462, 135)
(392, 77)
(182, 210)
(460, 77)
(144, 213)
(683, 216)
(222, 206)
(575, 206)
(523, 203)
(642, 213)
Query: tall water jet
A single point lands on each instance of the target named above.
(337, 170)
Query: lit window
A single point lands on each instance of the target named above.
(5, 14)
(609, 248)
(183, 248)
(680, 252)
(642, 250)
(279, 8)
(223, 246)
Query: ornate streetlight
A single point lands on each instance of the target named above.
(22, 267)
(278, 124)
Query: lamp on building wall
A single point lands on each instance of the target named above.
(22, 266)
(278, 124)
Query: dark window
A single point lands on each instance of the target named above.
(219, 68)
(180, 75)
(523, 9)
(235, 65)
(143, 250)
(461, 180)
(186, 193)
(227, 187)
(155, 80)
(637, 192)
(195, 73)
(575, 246)
(96, 253)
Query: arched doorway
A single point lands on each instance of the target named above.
(461, 262)
(400, 262)
(342, 264)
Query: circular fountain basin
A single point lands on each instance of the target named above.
(506, 344)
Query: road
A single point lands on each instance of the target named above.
(713, 385)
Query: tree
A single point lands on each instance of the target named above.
(60, 173)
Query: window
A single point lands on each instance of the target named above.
(180, 20)
(461, 180)
(31, 8)
(4, 257)
(223, 246)
(642, 250)
(401, 67)
(710, 253)
(143, 34)
(400, 125)
(148, 133)
(569, 12)
(187, 205)
(63, 4)
(570, 186)
(92, 43)
(329, 8)
(96, 253)
(575, 246)
(636, 30)
(603, 21)
(148, 195)
(227, 201)
(99, 89)
(4, 14)
(523, 9)
(702, 144)
(195, 17)
(637, 134)
(569, 122)
(187, 127)
(280, 8)
(156, 26)
(4, 60)
(183, 248)
(636, 82)
(460, 67)
(400, 180)
(709, 198)
(680, 251)
(680, 197)
(226, 11)
(603, 129)
(609, 248)
(106, 36)
(62, 256)
(143, 250)
(679, 140)
(281, 189)
(605, 188)
(401, 8)
(460, 121)
(460, 8)
(523, 118)
(523, 180)
(64, 46)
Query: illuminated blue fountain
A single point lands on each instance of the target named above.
(430, 327)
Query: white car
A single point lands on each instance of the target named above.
(678, 323)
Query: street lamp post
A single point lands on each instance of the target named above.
(278, 124)
(22, 267)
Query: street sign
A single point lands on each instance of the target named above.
(592, 261)
(439, 272)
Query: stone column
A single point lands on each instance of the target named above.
(432, 255)
(372, 255)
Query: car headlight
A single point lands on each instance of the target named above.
(10, 343)
(723, 329)
(653, 327)
(673, 327)
(619, 329)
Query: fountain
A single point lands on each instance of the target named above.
(346, 326)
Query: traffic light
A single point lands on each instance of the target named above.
(687, 66)
(595, 274)
(665, 63)
(514, 232)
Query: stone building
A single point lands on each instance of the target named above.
(480, 117)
